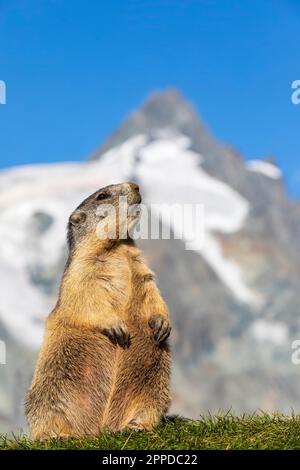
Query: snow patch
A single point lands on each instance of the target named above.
(265, 168)
(270, 331)
(168, 172)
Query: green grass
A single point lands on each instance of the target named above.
(223, 432)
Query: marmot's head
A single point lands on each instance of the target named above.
(108, 214)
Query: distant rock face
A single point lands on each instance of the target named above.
(234, 294)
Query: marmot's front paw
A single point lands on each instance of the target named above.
(161, 328)
(118, 334)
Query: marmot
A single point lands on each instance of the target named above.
(105, 360)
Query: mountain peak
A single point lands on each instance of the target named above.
(167, 109)
(169, 95)
(169, 100)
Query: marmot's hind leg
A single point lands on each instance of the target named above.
(72, 400)
(55, 427)
(142, 420)
(136, 414)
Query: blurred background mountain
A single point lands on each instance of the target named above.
(234, 302)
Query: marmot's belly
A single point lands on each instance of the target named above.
(145, 359)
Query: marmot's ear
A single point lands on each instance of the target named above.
(77, 218)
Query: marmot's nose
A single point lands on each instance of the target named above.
(134, 186)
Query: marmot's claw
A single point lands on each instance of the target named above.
(118, 335)
(161, 328)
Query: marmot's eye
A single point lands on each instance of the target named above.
(102, 196)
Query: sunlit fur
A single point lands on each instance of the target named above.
(83, 383)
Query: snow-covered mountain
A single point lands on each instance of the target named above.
(233, 290)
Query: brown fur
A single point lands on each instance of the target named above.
(85, 380)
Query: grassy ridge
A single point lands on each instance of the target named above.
(223, 432)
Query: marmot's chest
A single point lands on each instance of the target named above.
(140, 302)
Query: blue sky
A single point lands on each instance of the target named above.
(74, 69)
